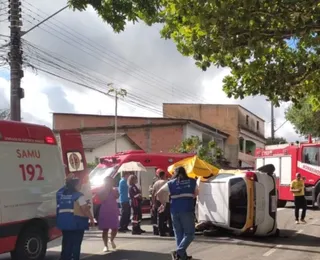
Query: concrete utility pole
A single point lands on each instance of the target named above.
(15, 58)
(122, 93)
(272, 122)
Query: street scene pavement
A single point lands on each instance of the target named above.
(296, 242)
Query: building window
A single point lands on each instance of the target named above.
(247, 120)
(258, 125)
(311, 155)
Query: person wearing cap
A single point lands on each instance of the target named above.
(73, 215)
(162, 216)
(297, 188)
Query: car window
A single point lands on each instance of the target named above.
(223, 175)
(238, 203)
(98, 174)
(311, 155)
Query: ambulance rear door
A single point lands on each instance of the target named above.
(74, 160)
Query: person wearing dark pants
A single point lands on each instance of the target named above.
(297, 188)
(164, 219)
(182, 190)
(163, 216)
(124, 202)
(136, 199)
(125, 216)
(73, 215)
(71, 243)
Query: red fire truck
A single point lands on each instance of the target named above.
(109, 166)
(289, 159)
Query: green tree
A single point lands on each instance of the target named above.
(210, 152)
(92, 165)
(305, 120)
(250, 37)
(276, 140)
(4, 114)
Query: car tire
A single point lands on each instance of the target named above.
(277, 233)
(31, 245)
(317, 206)
(282, 203)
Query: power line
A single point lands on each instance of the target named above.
(43, 54)
(73, 70)
(117, 61)
(281, 125)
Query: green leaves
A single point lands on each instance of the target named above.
(304, 118)
(249, 37)
(209, 152)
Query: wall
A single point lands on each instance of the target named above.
(252, 122)
(192, 130)
(74, 121)
(150, 139)
(222, 117)
(123, 144)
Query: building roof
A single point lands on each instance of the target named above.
(92, 141)
(175, 121)
(225, 105)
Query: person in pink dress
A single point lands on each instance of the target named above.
(109, 213)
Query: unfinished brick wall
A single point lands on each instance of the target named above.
(222, 117)
(150, 139)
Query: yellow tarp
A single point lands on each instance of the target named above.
(195, 167)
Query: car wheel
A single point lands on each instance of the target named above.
(31, 245)
(317, 206)
(282, 203)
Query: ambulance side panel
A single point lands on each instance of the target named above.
(30, 175)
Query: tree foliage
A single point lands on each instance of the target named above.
(91, 165)
(4, 114)
(276, 140)
(250, 37)
(210, 152)
(305, 120)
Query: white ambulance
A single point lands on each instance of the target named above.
(31, 171)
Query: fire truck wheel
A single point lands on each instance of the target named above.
(318, 201)
(31, 245)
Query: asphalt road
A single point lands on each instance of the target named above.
(296, 242)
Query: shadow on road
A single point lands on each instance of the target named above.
(133, 255)
(289, 239)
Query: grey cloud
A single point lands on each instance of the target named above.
(139, 44)
(57, 100)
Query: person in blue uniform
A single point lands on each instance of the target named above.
(182, 190)
(73, 215)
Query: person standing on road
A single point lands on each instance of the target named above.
(182, 190)
(73, 215)
(125, 203)
(297, 188)
(163, 217)
(109, 213)
(135, 199)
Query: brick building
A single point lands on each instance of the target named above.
(245, 129)
(150, 134)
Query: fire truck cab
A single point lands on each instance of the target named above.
(288, 160)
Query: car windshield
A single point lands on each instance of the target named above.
(238, 203)
(98, 174)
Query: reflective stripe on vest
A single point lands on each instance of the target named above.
(66, 210)
(183, 195)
